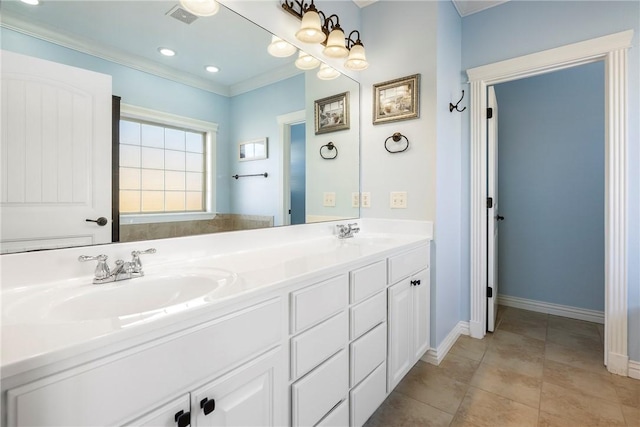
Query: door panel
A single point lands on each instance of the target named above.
(421, 307)
(400, 344)
(56, 154)
(492, 212)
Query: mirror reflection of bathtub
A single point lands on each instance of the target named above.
(254, 96)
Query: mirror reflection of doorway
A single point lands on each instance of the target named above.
(297, 173)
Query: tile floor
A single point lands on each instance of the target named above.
(535, 370)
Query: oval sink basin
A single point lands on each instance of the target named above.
(132, 299)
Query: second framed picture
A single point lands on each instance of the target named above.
(332, 113)
(396, 100)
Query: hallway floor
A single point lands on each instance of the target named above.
(535, 370)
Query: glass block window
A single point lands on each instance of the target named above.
(162, 169)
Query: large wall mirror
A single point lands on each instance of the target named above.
(235, 149)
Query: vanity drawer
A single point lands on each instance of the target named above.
(407, 263)
(367, 396)
(313, 396)
(367, 281)
(317, 344)
(317, 302)
(367, 352)
(338, 417)
(123, 386)
(368, 314)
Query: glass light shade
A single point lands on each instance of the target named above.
(201, 7)
(327, 73)
(31, 2)
(357, 59)
(335, 44)
(280, 48)
(310, 29)
(306, 61)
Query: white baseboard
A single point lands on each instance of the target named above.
(435, 356)
(555, 309)
(634, 369)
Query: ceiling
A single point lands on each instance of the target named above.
(464, 7)
(130, 33)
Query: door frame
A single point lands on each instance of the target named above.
(285, 121)
(611, 49)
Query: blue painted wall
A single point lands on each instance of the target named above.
(446, 245)
(551, 187)
(254, 115)
(523, 27)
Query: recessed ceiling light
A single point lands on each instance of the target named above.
(166, 51)
(31, 2)
(212, 68)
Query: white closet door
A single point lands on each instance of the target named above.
(56, 154)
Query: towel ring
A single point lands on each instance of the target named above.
(329, 146)
(397, 137)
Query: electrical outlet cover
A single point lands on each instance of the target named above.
(355, 200)
(398, 200)
(366, 199)
(329, 199)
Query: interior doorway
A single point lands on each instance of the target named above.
(551, 187)
(298, 182)
(612, 50)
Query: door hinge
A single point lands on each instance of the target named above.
(489, 292)
(489, 202)
(489, 113)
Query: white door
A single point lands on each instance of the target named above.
(248, 396)
(421, 307)
(56, 154)
(493, 216)
(400, 347)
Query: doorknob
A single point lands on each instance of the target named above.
(499, 218)
(102, 221)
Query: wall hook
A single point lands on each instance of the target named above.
(455, 107)
(397, 137)
(330, 146)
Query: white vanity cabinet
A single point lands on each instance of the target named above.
(408, 302)
(238, 353)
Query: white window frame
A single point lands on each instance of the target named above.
(210, 131)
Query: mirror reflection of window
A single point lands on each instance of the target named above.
(162, 169)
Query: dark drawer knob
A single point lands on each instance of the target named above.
(208, 405)
(183, 419)
(415, 282)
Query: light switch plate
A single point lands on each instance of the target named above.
(355, 200)
(366, 199)
(329, 199)
(398, 200)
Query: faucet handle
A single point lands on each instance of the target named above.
(102, 269)
(135, 260)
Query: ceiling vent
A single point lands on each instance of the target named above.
(182, 15)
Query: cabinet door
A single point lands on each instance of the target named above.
(421, 305)
(165, 416)
(249, 396)
(400, 349)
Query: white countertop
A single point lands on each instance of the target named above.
(32, 338)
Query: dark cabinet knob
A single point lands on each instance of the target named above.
(102, 221)
(208, 405)
(499, 218)
(183, 419)
(415, 282)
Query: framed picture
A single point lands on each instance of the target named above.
(332, 113)
(256, 149)
(396, 100)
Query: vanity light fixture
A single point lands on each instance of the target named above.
(327, 73)
(357, 60)
(166, 51)
(212, 68)
(201, 7)
(316, 27)
(280, 48)
(306, 61)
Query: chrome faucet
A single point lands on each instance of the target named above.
(347, 231)
(122, 271)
